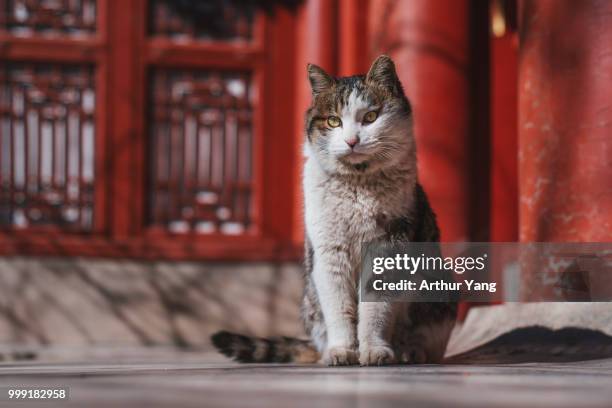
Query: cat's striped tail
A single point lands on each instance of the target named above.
(247, 349)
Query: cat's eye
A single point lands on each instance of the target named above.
(334, 121)
(370, 117)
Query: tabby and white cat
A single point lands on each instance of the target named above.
(360, 184)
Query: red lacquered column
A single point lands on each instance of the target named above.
(504, 139)
(565, 127)
(428, 40)
(565, 121)
(353, 37)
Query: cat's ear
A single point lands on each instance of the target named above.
(319, 79)
(382, 73)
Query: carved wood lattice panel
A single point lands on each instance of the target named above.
(202, 22)
(201, 136)
(48, 17)
(47, 145)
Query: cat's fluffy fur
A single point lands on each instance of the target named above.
(353, 195)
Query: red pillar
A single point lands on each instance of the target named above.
(353, 37)
(504, 139)
(429, 41)
(565, 120)
(565, 127)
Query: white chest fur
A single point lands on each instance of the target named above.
(341, 216)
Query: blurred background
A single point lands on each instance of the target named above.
(150, 150)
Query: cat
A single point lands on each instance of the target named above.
(360, 184)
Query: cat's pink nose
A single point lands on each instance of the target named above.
(352, 141)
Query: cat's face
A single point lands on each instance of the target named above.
(359, 123)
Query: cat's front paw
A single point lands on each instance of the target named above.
(376, 355)
(339, 356)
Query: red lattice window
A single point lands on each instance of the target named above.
(47, 146)
(130, 129)
(233, 24)
(201, 150)
(48, 17)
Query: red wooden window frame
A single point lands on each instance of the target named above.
(123, 53)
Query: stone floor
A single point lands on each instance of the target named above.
(502, 356)
(191, 380)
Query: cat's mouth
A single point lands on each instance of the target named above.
(354, 157)
(357, 161)
(361, 166)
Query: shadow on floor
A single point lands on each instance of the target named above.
(539, 344)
